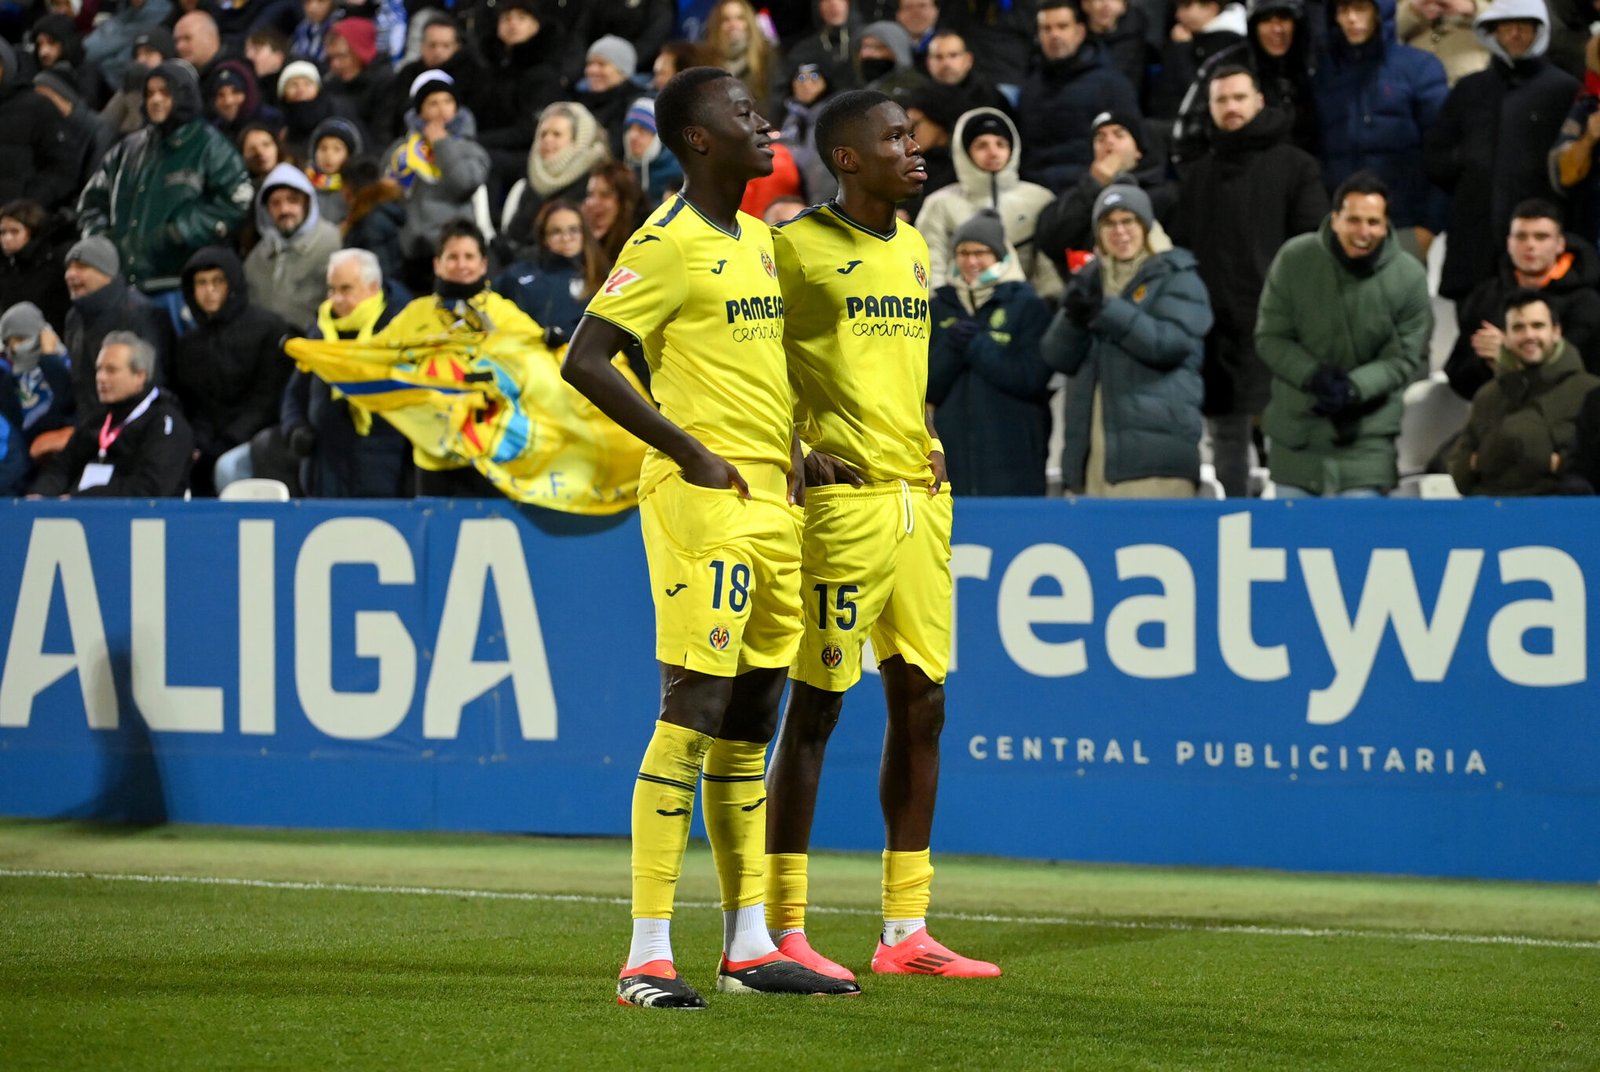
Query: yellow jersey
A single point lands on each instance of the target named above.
(856, 331)
(706, 306)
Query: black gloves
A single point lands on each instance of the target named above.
(1083, 300)
(962, 332)
(1331, 392)
(554, 337)
(302, 440)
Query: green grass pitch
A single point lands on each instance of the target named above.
(204, 948)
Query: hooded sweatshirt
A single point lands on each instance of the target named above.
(289, 272)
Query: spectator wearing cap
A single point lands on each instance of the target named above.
(89, 134)
(1131, 337)
(607, 89)
(951, 64)
(810, 87)
(333, 144)
(37, 159)
(1377, 98)
(112, 45)
(33, 250)
(228, 370)
(884, 61)
(286, 267)
(234, 101)
(441, 50)
(35, 393)
(310, 37)
(102, 302)
(830, 44)
(985, 376)
(985, 156)
(1250, 192)
(1071, 86)
(1066, 227)
(524, 70)
(354, 72)
(125, 109)
(652, 162)
(1344, 325)
(135, 442)
(168, 189)
(440, 166)
(1490, 146)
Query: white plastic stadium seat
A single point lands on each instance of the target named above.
(255, 489)
(508, 211)
(1427, 486)
(1433, 415)
(482, 214)
(1210, 487)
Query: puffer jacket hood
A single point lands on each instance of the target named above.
(62, 29)
(238, 290)
(1505, 11)
(1231, 19)
(245, 75)
(185, 89)
(290, 176)
(893, 35)
(1384, 38)
(979, 185)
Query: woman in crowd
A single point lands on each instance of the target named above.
(734, 41)
(555, 283)
(611, 204)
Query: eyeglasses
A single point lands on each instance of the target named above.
(1122, 225)
(808, 76)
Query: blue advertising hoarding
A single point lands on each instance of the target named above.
(1385, 686)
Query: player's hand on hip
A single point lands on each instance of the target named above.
(940, 473)
(710, 470)
(824, 469)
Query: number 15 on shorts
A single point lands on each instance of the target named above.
(841, 608)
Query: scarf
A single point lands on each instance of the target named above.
(571, 164)
(1115, 275)
(358, 326)
(412, 159)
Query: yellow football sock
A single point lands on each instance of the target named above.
(907, 883)
(663, 805)
(788, 887)
(733, 802)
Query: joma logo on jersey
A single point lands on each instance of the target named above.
(719, 637)
(832, 656)
(759, 307)
(889, 306)
(618, 280)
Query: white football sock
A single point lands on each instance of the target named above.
(744, 933)
(896, 931)
(652, 940)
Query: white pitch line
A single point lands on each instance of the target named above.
(1517, 940)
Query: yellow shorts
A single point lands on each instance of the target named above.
(725, 575)
(875, 562)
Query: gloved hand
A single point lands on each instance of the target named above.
(962, 332)
(1083, 300)
(554, 336)
(1331, 391)
(302, 440)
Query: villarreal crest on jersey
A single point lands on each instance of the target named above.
(857, 336)
(706, 305)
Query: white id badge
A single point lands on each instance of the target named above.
(96, 475)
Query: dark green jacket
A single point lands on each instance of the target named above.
(1315, 312)
(1519, 419)
(162, 195)
(1143, 350)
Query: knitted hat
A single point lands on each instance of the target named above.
(430, 82)
(988, 121)
(158, 38)
(97, 252)
(1124, 196)
(642, 113)
(58, 79)
(362, 37)
(299, 69)
(1126, 120)
(984, 227)
(617, 52)
(229, 76)
(23, 320)
(530, 7)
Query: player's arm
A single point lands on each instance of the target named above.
(936, 455)
(588, 368)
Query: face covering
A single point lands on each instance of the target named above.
(872, 70)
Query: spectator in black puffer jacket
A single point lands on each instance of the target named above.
(37, 158)
(102, 302)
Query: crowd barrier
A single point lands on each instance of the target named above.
(1365, 686)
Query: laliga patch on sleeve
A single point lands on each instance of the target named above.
(618, 280)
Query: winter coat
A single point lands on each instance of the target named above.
(834, 49)
(1571, 294)
(162, 194)
(799, 133)
(109, 47)
(1018, 203)
(149, 459)
(1237, 205)
(42, 394)
(550, 289)
(117, 306)
(609, 110)
(992, 396)
(1377, 100)
(1488, 149)
(521, 81)
(1142, 351)
(228, 370)
(15, 465)
(1067, 222)
(1287, 80)
(302, 118)
(1315, 313)
(431, 203)
(289, 273)
(1521, 418)
(647, 24)
(1128, 49)
(38, 158)
(34, 273)
(374, 224)
(1186, 65)
(345, 464)
(1057, 104)
(1450, 38)
(368, 93)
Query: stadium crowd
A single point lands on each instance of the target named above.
(1212, 218)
